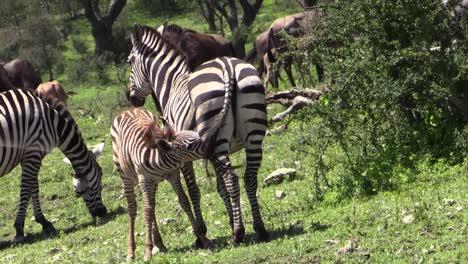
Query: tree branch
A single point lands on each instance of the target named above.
(115, 7)
(88, 6)
(285, 97)
(301, 3)
(295, 100)
(250, 11)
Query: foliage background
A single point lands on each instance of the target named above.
(384, 142)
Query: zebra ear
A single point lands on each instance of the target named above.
(164, 145)
(163, 27)
(167, 129)
(160, 29)
(67, 161)
(97, 150)
(137, 33)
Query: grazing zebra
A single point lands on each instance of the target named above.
(29, 129)
(223, 97)
(143, 153)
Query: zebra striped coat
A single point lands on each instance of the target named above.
(143, 153)
(29, 129)
(223, 100)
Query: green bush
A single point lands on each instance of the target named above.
(79, 45)
(92, 69)
(392, 98)
(163, 7)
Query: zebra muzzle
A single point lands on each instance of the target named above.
(136, 100)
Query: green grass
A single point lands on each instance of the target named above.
(300, 227)
(299, 224)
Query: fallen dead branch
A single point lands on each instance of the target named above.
(286, 97)
(294, 99)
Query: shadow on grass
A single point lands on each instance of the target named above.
(40, 236)
(224, 242)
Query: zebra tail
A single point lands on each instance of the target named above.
(229, 83)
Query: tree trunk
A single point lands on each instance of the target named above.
(238, 42)
(102, 25)
(103, 40)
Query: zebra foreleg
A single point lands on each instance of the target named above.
(32, 168)
(231, 181)
(157, 239)
(128, 186)
(148, 189)
(194, 193)
(201, 241)
(47, 227)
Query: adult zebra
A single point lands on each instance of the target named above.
(29, 129)
(223, 97)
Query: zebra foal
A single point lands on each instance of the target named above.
(223, 100)
(29, 129)
(144, 154)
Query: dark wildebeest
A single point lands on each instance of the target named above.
(294, 25)
(52, 89)
(259, 50)
(5, 83)
(197, 47)
(22, 74)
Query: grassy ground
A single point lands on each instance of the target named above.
(303, 230)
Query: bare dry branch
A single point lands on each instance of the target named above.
(286, 97)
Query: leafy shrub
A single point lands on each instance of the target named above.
(79, 45)
(392, 98)
(92, 69)
(158, 7)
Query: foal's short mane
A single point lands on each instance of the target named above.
(152, 133)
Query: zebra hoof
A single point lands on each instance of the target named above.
(19, 240)
(203, 244)
(159, 249)
(262, 235)
(238, 236)
(49, 229)
(130, 258)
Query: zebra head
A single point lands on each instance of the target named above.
(139, 86)
(182, 146)
(87, 184)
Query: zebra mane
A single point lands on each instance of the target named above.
(60, 107)
(152, 133)
(150, 31)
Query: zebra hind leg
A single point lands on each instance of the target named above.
(254, 159)
(223, 192)
(231, 181)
